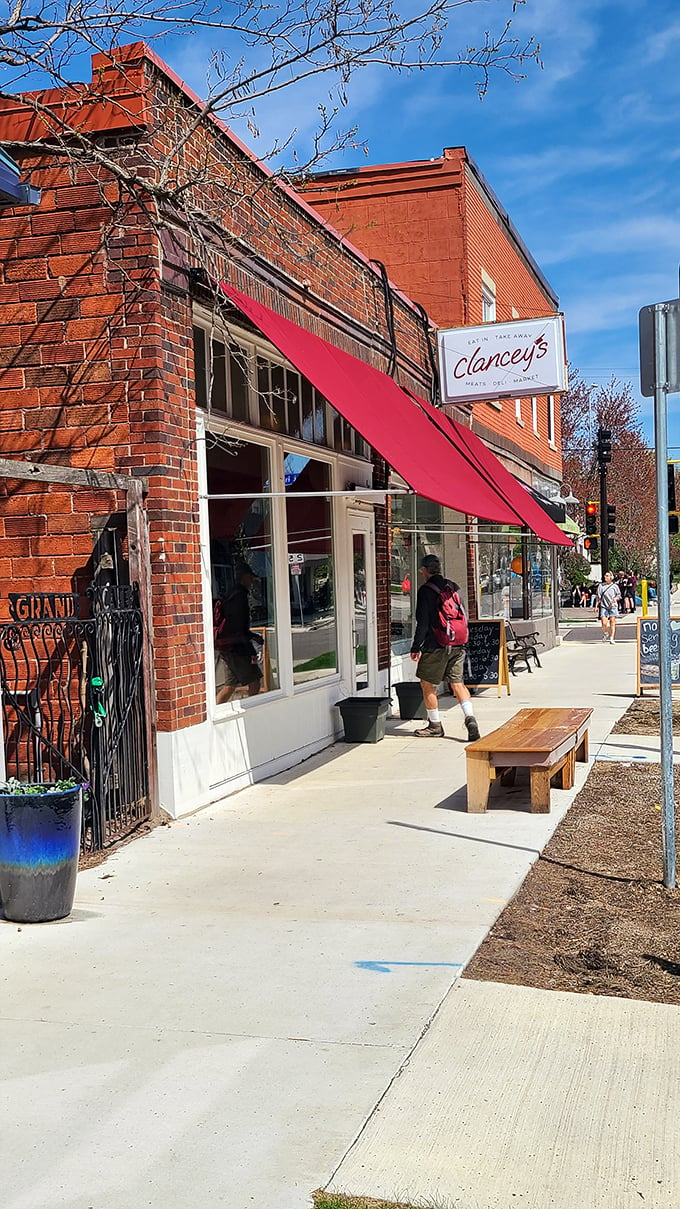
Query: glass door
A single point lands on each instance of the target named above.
(363, 603)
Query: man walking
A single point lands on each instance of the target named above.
(607, 601)
(436, 661)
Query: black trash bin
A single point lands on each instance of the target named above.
(364, 718)
(410, 697)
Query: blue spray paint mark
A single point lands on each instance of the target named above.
(383, 967)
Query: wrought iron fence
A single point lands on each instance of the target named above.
(73, 702)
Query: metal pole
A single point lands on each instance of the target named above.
(663, 596)
(604, 534)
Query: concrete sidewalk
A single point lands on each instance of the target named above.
(234, 995)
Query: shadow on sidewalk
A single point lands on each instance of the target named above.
(455, 835)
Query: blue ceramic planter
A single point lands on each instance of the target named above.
(39, 848)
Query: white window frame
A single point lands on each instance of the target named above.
(518, 412)
(488, 302)
(551, 421)
(256, 346)
(534, 414)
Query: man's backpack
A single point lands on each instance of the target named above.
(451, 627)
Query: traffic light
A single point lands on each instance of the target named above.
(604, 446)
(591, 519)
(592, 546)
(673, 526)
(611, 518)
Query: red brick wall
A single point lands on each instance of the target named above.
(434, 230)
(489, 248)
(96, 350)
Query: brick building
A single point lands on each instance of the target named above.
(446, 240)
(259, 414)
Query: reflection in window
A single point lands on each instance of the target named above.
(540, 578)
(311, 578)
(416, 530)
(498, 584)
(285, 402)
(242, 572)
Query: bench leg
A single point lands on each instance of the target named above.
(567, 773)
(540, 790)
(582, 750)
(478, 781)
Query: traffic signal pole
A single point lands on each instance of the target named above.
(604, 529)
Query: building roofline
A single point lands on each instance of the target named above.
(137, 52)
(512, 231)
(492, 200)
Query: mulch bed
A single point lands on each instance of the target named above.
(593, 915)
(642, 718)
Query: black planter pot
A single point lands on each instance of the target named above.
(364, 718)
(410, 697)
(39, 848)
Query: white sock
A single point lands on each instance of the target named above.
(433, 715)
(467, 709)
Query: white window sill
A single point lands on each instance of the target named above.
(520, 422)
(496, 404)
(552, 445)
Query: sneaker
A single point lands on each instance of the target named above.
(612, 641)
(433, 730)
(605, 638)
(472, 728)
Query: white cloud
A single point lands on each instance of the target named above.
(612, 305)
(653, 232)
(663, 44)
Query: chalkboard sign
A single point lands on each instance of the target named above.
(486, 658)
(648, 653)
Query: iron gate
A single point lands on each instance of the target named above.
(73, 702)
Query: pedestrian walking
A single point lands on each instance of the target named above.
(630, 592)
(439, 647)
(607, 600)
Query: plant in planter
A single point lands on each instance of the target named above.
(39, 848)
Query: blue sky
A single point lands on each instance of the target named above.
(584, 154)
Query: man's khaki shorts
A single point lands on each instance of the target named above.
(444, 664)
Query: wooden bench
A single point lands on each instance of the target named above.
(546, 741)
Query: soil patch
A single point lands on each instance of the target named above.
(642, 718)
(593, 915)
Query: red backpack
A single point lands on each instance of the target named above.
(451, 627)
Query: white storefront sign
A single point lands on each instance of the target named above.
(525, 357)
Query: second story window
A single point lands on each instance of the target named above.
(551, 419)
(488, 302)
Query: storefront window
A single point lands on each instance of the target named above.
(417, 529)
(311, 576)
(540, 578)
(242, 570)
(498, 583)
(285, 402)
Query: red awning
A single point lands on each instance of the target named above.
(516, 496)
(438, 457)
(385, 416)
